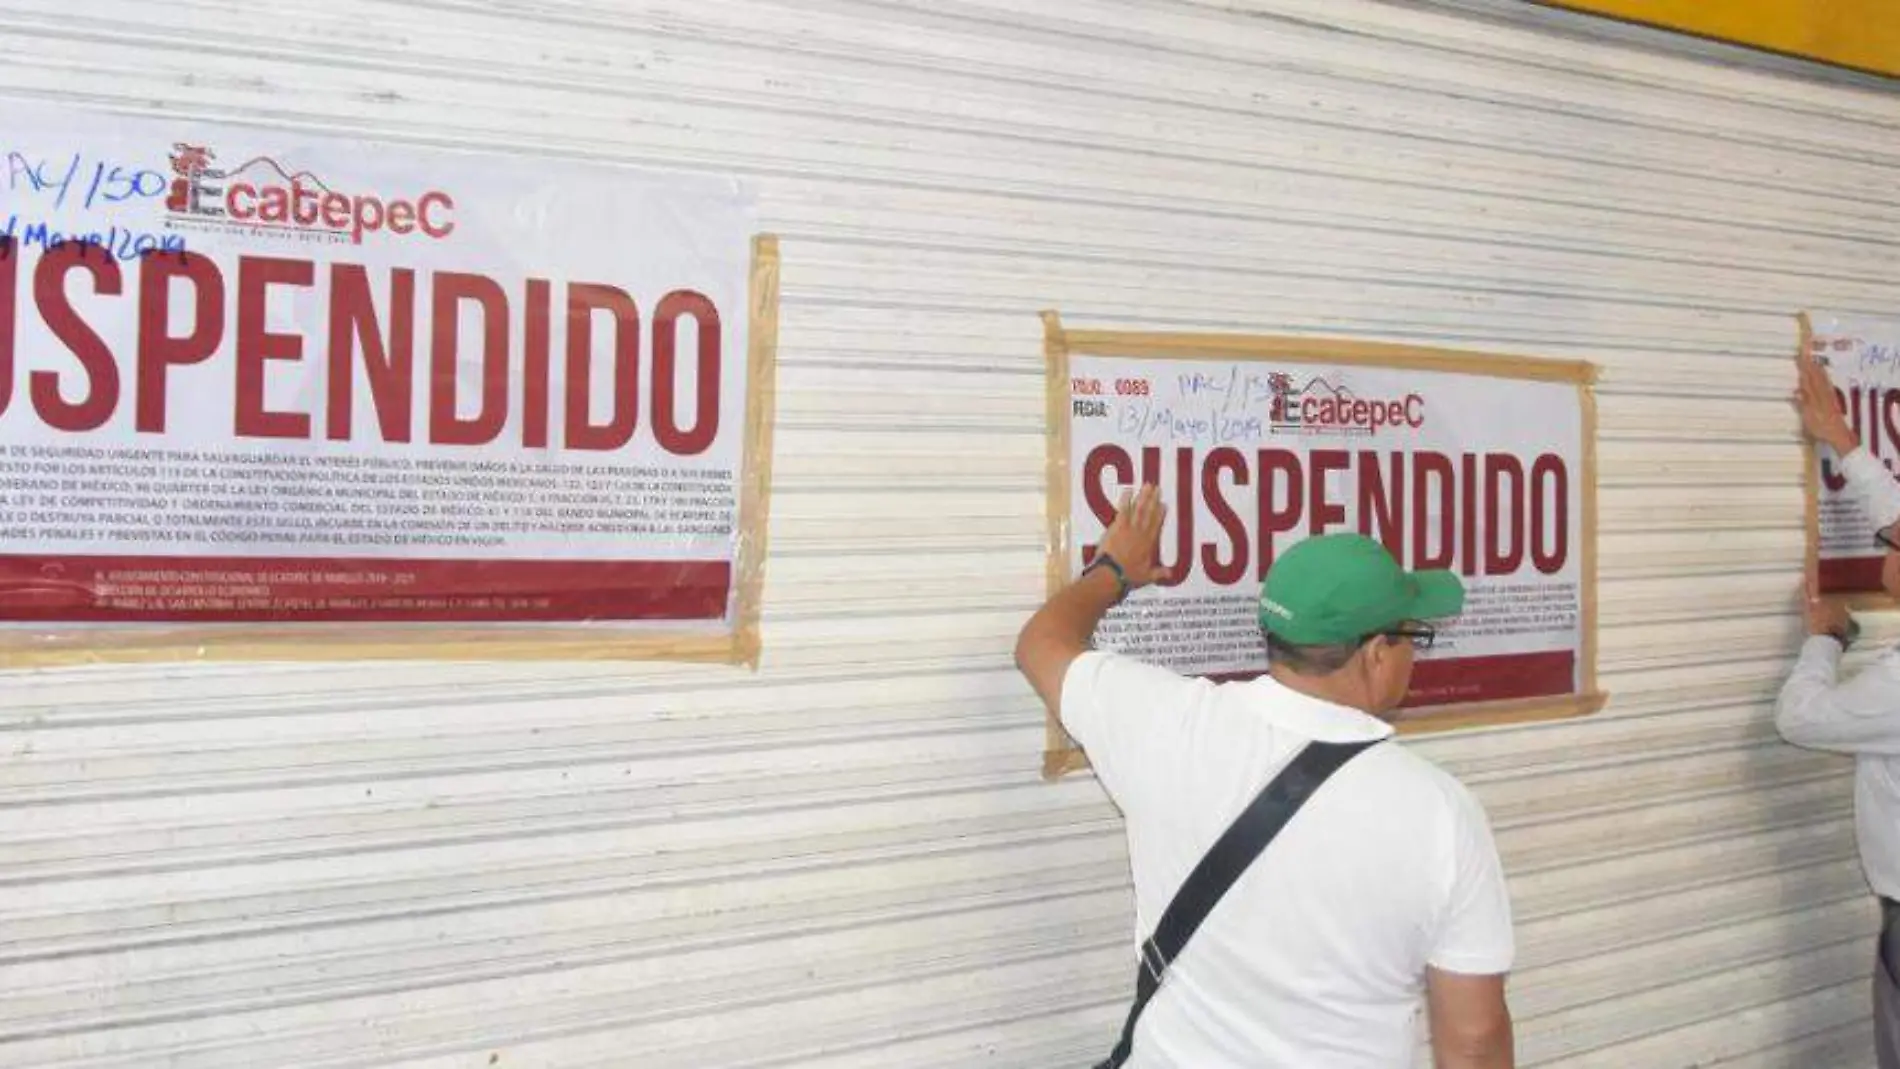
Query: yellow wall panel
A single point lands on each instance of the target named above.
(1864, 34)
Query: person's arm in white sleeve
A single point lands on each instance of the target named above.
(1817, 711)
(1132, 720)
(1108, 703)
(1472, 953)
(1060, 631)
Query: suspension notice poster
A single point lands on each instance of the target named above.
(258, 385)
(1862, 357)
(1479, 464)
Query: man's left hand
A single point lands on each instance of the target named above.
(1826, 617)
(1135, 536)
(1821, 415)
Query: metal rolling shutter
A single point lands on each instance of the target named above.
(848, 861)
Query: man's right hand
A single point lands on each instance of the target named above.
(1821, 415)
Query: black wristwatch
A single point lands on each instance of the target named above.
(1848, 637)
(1103, 560)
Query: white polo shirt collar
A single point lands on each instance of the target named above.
(1313, 718)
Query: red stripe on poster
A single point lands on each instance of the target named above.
(1507, 677)
(250, 590)
(1850, 575)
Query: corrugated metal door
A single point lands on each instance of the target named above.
(848, 861)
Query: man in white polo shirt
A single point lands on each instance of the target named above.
(1382, 896)
(1860, 716)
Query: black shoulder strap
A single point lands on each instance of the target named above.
(1230, 855)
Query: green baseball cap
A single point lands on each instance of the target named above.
(1340, 589)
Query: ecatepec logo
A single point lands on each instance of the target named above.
(1322, 406)
(265, 194)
